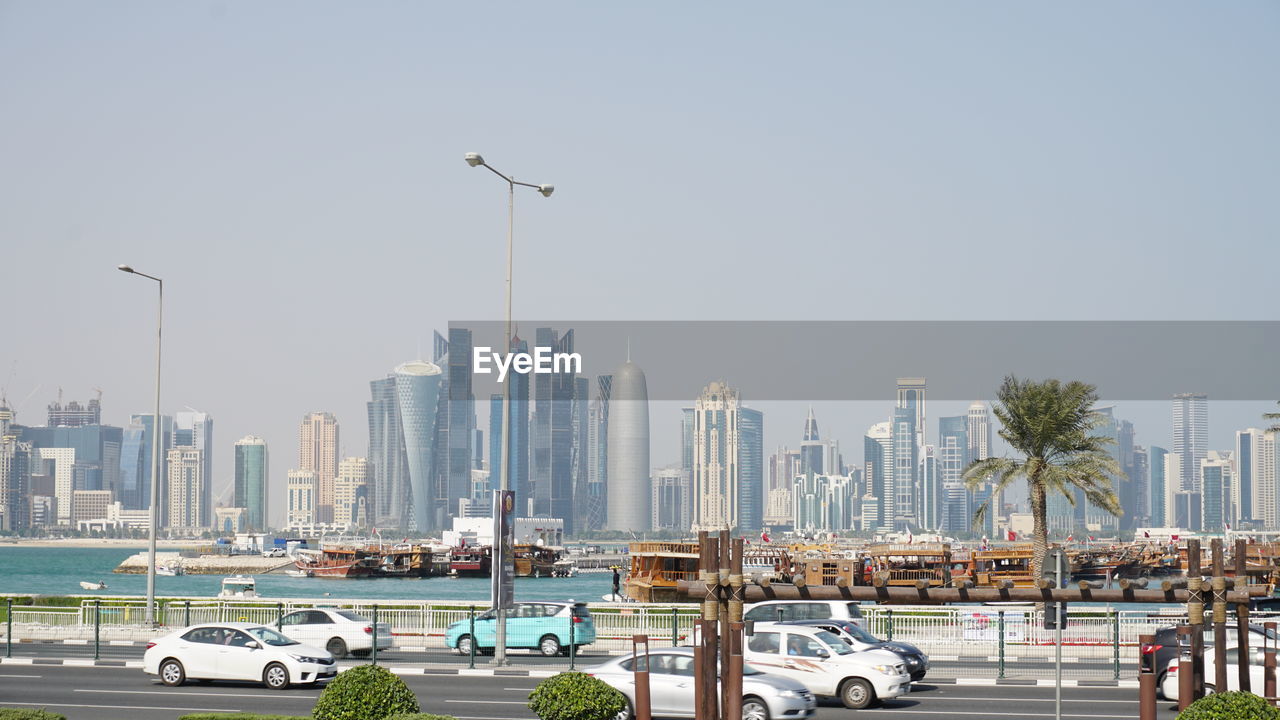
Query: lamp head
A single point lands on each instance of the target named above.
(474, 159)
(124, 268)
(546, 190)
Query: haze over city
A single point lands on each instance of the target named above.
(294, 172)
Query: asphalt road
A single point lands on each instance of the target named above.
(101, 693)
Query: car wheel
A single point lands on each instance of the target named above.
(1160, 685)
(549, 646)
(856, 693)
(171, 673)
(464, 645)
(276, 676)
(626, 712)
(753, 708)
(337, 647)
(484, 650)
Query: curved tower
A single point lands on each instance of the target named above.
(627, 449)
(418, 389)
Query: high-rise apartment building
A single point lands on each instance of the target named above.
(350, 493)
(15, 477)
(1190, 436)
(1251, 493)
(192, 428)
(822, 503)
(301, 494)
(1265, 477)
(1216, 480)
(187, 495)
(318, 453)
(878, 469)
(1158, 484)
(906, 468)
(627, 451)
(728, 462)
(251, 484)
(672, 500)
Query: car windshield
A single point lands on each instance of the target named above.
(834, 642)
(859, 634)
(270, 637)
(352, 616)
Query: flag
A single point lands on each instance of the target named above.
(1070, 538)
(1092, 538)
(1012, 536)
(1228, 527)
(1174, 538)
(1146, 534)
(910, 538)
(764, 536)
(984, 542)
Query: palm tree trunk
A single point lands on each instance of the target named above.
(1040, 534)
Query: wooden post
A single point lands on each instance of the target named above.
(1195, 612)
(1242, 614)
(640, 675)
(704, 683)
(1219, 616)
(1146, 681)
(1269, 663)
(1186, 681)
(731, 638)
(722, 615)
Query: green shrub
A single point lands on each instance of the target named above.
(576, 696)
(421, 716)
(29, 714)
(367, 692)
(1230, 706)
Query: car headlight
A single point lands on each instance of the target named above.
(306, 659)
(789, 694)
(885, 669)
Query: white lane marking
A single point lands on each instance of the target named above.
(490, 702)
(473, 717)
(15, 661)
(477, 671)
(520, 689)
(75, 642)
(1005, 699)
(20, 676)
(76, 662)
(990, 714)
(122, 642)
(176, 693)
(126, 707)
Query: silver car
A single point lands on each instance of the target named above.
(764, 697)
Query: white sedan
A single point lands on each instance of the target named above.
(236, 651)
(338, 631)
(1256, 679)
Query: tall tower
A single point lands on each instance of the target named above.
(811, 449)
(877, 450)
(627, 450)
(1190, 436)
(318, 453)
(1253, 494)
(911, 397)
(251, 480)
(728, 462)
(553, 437)
(953, 458)
(597, 499)
(350, 493)
(192, 428)
(388, 486)
(906, 468)
(1158, 486)
(455, 428)
(188, 490)
(418, 394)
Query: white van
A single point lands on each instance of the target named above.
(826, 664)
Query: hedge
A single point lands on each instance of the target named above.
(422, 716)
(1230, 706)
(241, 716)
(29, 714)
(365, 692)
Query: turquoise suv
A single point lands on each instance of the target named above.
(544, 626)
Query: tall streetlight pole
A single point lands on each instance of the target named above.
(500, 559)
(156, 429)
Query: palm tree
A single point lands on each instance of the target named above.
(1274, 418)
(1049, 423)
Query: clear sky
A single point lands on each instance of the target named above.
(294, 171)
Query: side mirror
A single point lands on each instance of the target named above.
(750, 627)
(823, 653)
(252, 645)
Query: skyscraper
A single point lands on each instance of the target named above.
(188, 493)
(455, 427)
(877, 450)
(192, 428)
(811, 449)
(1250, 494)
(906, 468)
(553, 434)
(350, 493)
(1190, 436)
(628, 450)
(1216, 479)
(135, 460)
(1158, 485)
(1263, 468)
(74, 414)
(388, 485)
(953, 457)
(15, 477)
(597, 500)
(301, 494)
(418, 394)
(728, 462)
(251, 481)
(318, 453)
(672, 500)
(911, 393)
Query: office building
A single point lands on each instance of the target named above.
(953, 458)
(1157, 485)
(89, 505)
(318, 453)
(1254, 489)
(1190, 436)
(877, 473)
(187, 494)
(136, 457)
(350, 493)
(418, 391)
(455, 428)
(15, 478)
(301, 493)
(597, 496)
(195, 429)
(627, 451)
(251, 481)
(388, 489)
(74, 414)
(1216, 481)
(553, 434)
(672, 500)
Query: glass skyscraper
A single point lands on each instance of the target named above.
(418, 393)
(251, 481)
(388, 489)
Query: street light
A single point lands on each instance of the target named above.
(155, 455)
(500, 559)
